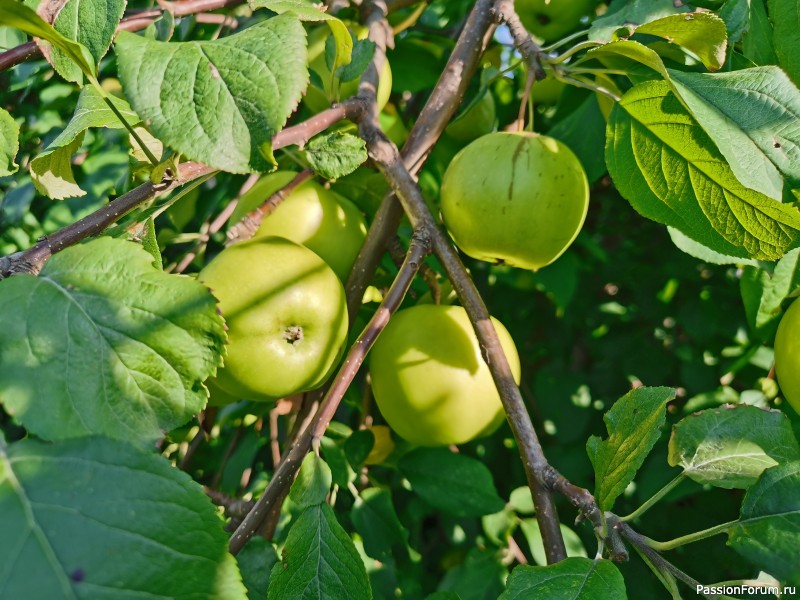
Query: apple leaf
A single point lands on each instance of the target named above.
(764, 290)
(95, 517)
(634, 425)
(51, 170)
(698, 250)
(757, 44)
(376, 521)
(454, 483)
(785, 17)
(730, 446)
(92, 23)
(480, 577)
(313, 482)
(768, 530)
(533, 534)
(670, 171)
(702, 33)
(571, 579)
(337, 154)
(256, 561)
(630, 16)
(753, 116)
(218, 102)
(319, 561)
(103, 343)
(584, 132)
(9, 143)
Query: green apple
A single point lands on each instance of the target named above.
(479, 119)
(551, 20)
(286, 315)
(547, 91)
(787, 355)
(429, 379)
(318, 99)
(321, 220)
(515, 198)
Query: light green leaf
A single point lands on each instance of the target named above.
(308, 11)
(632, 15)
(768, 530)
(15, 14)
(51, 170)
(785, 17)
(627, 50)
(95, 518)
(337, 154)
(670, 171)
(89, 22)
(633, 425)
(9, 143)
(533, 534)
(570, 579)
(730, 446)
(702, 33)
(696, 249)
(753, 116)
(218, 102)
(376, 520)
(764, 290)
(256, 561)
(521, 500)
(102, 343)
(319, 561)
(454, 483)
(313, 482)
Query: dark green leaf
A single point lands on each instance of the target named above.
(319, 561)
(102, 343)
(670, 171)
(633, 425)
(375, 519)
(757, 45)
(93, 517)
(570, 579)
(337, 461)
(584, 131)
(358, 446)
(730, 446)
(634, 14)
(242, 89)
(443, 596)
(363, 51)
(256, 561)
(768, 530)
(313, 482)
(453, 483)
(479, 577)
(764, 290)
(9, 143)
(785, 18)
(335, 155)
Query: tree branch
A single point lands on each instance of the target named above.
(286, 471)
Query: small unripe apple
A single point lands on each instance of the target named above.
(787, 355)
(551, 20)
(286, 315)
(515, 198)
(429, 379)
(478, 120)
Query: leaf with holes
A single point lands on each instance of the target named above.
(218, 102)
(97, 518)
(101, 342)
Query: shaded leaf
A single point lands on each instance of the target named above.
(335, 155)
(376, 520)
(9, 143)
(757, 44)
(363, 51)
(242, 89)
(730, 446)
(102, 343)
(785, 17)
(93, 517)
(479, 577)
(453, 483)
(256, 561)
(696, 249)
(570, 579)
(764, 290)
(633, 425)
(584, 132)
(319, 561)
(313, 482)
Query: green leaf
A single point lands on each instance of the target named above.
(94, 517)
(736, 14)
(376, 520)
(309, 11)
(670, 171)
(730, 446)
(757, 44)
(256, 561)
(358, 446)
(702, 33)
(313, 482)
(625, 51)
(453, 483)
(532, 532)
(570, 579)
(15, 14)
(584, 132)
(633, 425)
(521, 500)
(218, 102)
(443, 596)
(696, 249)
(319, 561)
(632, 15)
(363, 51)
(768, 530)
(337, 154)
(764, 290)
(785, 17)
(150, 242)
(9, 143)
(91, 23)
(102, 343)
(753, 116)
(336, 459)
(479, 577)
(51, 170)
